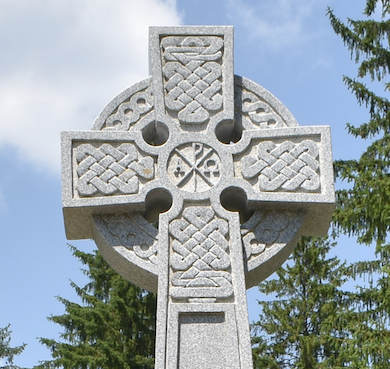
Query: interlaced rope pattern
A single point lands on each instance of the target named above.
(192, 76)
(111, 170)
(129, 112)
(259, 112)
(284, 167)
(132, 231)
(266, 229)
(200, 256)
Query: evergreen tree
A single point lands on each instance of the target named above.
(364, 208)
(360, 337)
(302, 326)
(7, 353)
(113, 328)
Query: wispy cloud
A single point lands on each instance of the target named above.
(279, 23)
(63, 60)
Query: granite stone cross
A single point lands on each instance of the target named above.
(224, 172)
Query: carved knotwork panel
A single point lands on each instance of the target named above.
(291, 165)
(254, 110)
(107, 169)
(200, 261)
(131, 110)
(131, 231)
(267, 229)
(130, 107)
(192, 71)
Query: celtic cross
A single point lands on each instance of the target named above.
(224, 170)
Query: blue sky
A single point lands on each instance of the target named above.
(63, 60)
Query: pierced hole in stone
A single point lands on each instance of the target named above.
(127, 111)
(130, 238)
(271, 122)
(260, 110)
(229, 131)
(155, 133)
(144, 247)
(157, 201)
(141, 101)
(234, 199)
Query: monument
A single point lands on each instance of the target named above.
(197, 184)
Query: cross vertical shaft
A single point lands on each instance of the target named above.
(201, 275)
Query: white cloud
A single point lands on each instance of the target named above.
(279, 24)
(62, 61)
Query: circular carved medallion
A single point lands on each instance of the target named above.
(194, 167)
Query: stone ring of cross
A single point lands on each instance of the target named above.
(197, 184)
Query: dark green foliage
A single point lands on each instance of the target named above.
(7, 353)
(368, 320)
(302, 327)
(113, 328)
(364, 208)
